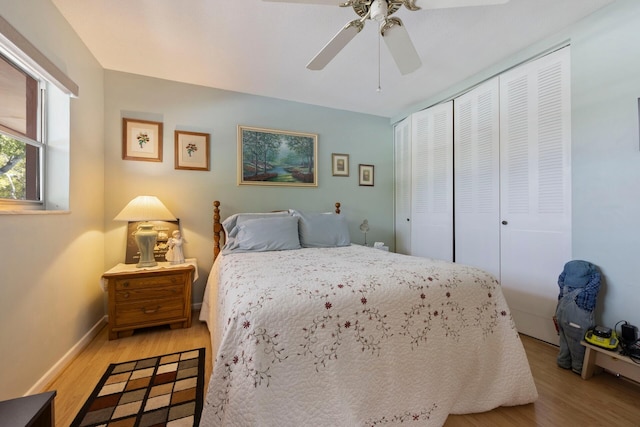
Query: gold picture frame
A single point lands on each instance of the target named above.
(339, 164)
(141, 140)
(192, 150)
(277, 157)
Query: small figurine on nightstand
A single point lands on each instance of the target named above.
(174, 253)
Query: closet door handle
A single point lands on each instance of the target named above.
(504, 223)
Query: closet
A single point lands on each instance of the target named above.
(424, 183)
(477, 177)
(432, 182)
(402, 180)
(510, 185)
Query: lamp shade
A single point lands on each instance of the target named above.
(145, 208)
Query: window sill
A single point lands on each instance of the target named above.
(33, 212)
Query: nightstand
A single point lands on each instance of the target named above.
(144, 297)
(34, 410)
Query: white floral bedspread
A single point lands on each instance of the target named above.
(355, 336)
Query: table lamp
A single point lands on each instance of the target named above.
(145, 209)
(364, 227)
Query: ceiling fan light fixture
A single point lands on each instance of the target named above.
(379, 10)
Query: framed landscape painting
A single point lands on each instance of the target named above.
(277, 157)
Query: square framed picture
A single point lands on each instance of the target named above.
(141, 140)
(164, 229)
(340, 164)
(277, 157)
(191, 150)
(365, 175)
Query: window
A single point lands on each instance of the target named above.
(35, 127)
(21, 144)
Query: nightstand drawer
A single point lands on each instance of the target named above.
(155, 292)
(148, 282)
(149, 311)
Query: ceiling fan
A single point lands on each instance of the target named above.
(392, 29)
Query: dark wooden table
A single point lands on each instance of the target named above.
(29, 411)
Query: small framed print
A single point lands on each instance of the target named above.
(191, 150)
(340, 164)
(141, 140)
(365, 174)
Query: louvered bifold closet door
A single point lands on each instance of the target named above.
(432, 182)
(477, 177)
(402, 150)
(535, 144)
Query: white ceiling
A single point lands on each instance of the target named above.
(262, 48)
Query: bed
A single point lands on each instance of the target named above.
(329, 333)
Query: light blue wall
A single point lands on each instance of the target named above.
(606, 154)
(605, 87)
(189, 194)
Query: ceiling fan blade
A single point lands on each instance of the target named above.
(396, 37)
(326, 2)
(337, 43)
(443, 4)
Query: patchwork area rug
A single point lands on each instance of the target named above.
(164, 390)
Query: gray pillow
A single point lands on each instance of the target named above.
(266, 234)
(230, 224)
(322, 230)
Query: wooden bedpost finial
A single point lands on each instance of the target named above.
(337, 207)
(217, 228)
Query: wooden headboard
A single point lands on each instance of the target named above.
(218, 230)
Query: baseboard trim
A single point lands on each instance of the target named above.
(56, 369)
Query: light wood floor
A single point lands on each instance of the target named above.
(565, 399)
(77, 381)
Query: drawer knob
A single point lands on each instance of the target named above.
(150, 310)
(126, 295)
(125, 284)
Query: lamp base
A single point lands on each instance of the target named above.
(147, 264)
(146, 238)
